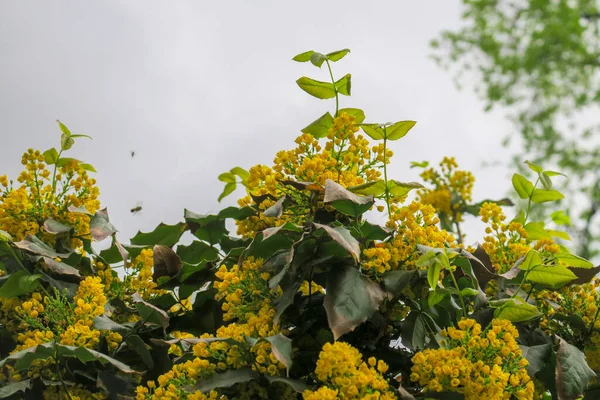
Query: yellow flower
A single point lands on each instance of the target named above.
(480, 364)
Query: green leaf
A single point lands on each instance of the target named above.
(320, 127)
(532, 259)
(522, 185)
(542, 196)
(337, 55)
(225, 379)
(167, 235)
(469, 292)
(78, 135)
(88, 167)
(416, 164)
(24, 358)
(350, 299)
(281, 347)
(295, 384)
(584, 275)
(66, 142)
(241, 172)
(399, 129)
(375, 188)
(559, 234)
(137, 344)
(229, 188)
(104, 323)
(55, 228)
(86, 355)
(374, 131)
(59, 268)
(572, 260)
(537, 357)
(318, 89)
(50, 156)
(357, 113)
(344, 85)
(227, 177)
(287, 227)
(303, 57)
(63, 128)
(344, 238)
(317, 59)
(554, 173)
(560, 218)
(536, 231)
(197, 252)
(554, 276)
(535, 168)
(64, 161)
(149, 312)
(546, 181)
(573, 374)
(276, 210)
(400, 189)
(18, 283)
(414, 331)
(166, 262)
(235, 213)
(427, 259)
(36, 246)
(345, 201)
(5, 236)
(434, 297)
(100, 226)
(395, 281)
(516, 310)
(9, 389)
(371, 231)
(433, 275)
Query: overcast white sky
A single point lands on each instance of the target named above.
(197, 87)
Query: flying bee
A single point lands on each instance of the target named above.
(132, 153)
(136, 209)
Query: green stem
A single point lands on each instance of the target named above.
(64, 385)
(593, 322)
(385, 178)
(337, 102)
(529, 202)
(54, 172)
(37, 188)
(457, 224)
(12, 252)
(460, 296)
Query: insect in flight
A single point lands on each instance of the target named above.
(132, 153)
(135, 210)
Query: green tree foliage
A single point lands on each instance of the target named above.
(540, 59)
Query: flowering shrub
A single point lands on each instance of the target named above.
(309, 299)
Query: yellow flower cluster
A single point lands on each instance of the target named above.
(313, 288)
(582, 301)
(414, 224)
(244, 288)
(77, 392)
(247, 304)
(504, 243)
(139, 279)
(345, 158)
(41, 196)
(480, 364)
(342, 372)
(447, 182)
(171, 385)
(70, 324)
